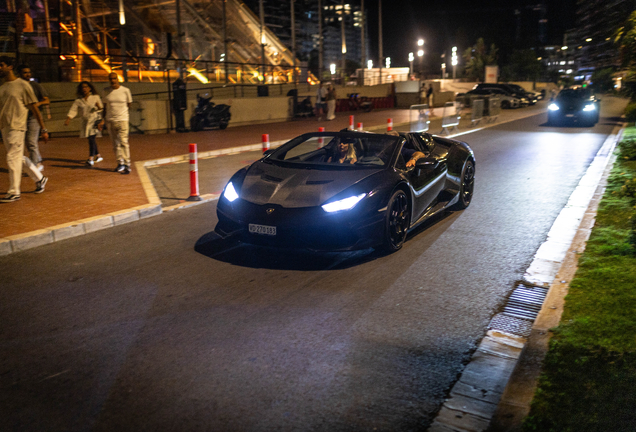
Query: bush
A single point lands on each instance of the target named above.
(627, 149)
(630, 112)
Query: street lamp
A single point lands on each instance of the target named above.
(454, 62)
(443, 70)
(411, 58)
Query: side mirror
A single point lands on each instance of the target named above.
(427, 163)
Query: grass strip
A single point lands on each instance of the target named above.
(588, 381)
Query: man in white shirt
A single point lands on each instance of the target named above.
(116, 104)
(16, 99)
(33, 127)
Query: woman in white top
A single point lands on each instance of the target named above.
(89, 106)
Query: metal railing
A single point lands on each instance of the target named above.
(451, 116)
(494, 108)
(477, 111)
(55, 67)
(419, 118)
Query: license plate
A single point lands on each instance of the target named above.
(262, 229)
(569, 115)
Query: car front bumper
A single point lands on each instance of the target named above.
(303, 228)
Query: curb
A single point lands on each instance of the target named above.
(496, 388)
(21, 242)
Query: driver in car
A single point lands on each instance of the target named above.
(409, 155)
(344, 153)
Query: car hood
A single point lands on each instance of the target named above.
(266, 183)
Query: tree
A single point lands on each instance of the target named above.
(602, 80)
(477, 58)
(524, 66)
(625, 39)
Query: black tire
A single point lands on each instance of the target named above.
(466, 186)
(505, 105)
(398, 218)
(223, 125)
(195, 124)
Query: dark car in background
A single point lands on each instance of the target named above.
(513, 90)
(506, 100)
(574, 105)
(302, 196)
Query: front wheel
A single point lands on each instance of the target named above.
(397, 222)
(467, 185)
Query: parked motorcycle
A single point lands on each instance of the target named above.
(209, 115)
(359, 103)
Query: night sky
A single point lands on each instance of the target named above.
(446, 23)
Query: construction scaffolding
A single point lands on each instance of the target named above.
(212, 41)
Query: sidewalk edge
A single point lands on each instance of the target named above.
(492, 392)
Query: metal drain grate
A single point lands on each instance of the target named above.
(508, 324)
(520, 311)
(525, 302)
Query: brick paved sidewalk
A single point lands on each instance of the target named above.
(75, 191)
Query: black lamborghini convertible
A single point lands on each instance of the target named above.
(346, 190)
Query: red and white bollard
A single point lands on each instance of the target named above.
(360, 127)
(321, 140)
(265, 142)
(389, 125)
(350, 122)
(194, 175)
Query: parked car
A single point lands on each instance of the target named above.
(519, 92)
(531, 95)
(303, 196)
(507, 101)
(574, 105)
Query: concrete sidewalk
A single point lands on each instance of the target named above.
(80, 199)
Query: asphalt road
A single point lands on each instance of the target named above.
(158, 325)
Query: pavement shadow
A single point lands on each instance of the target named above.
(74, 164)
(232, 251)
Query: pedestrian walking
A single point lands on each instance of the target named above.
(429, 95)
(321, 101)
(33, 126)
(331, 102)
(16, 100)
(89, 106)
(117, 103)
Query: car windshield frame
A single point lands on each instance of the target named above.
(372, 151)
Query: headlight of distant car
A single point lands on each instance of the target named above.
(343, 204)
(589, 107)
(230, 193)
(553, 107)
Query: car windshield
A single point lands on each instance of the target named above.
(573, 94)
(337, 150)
